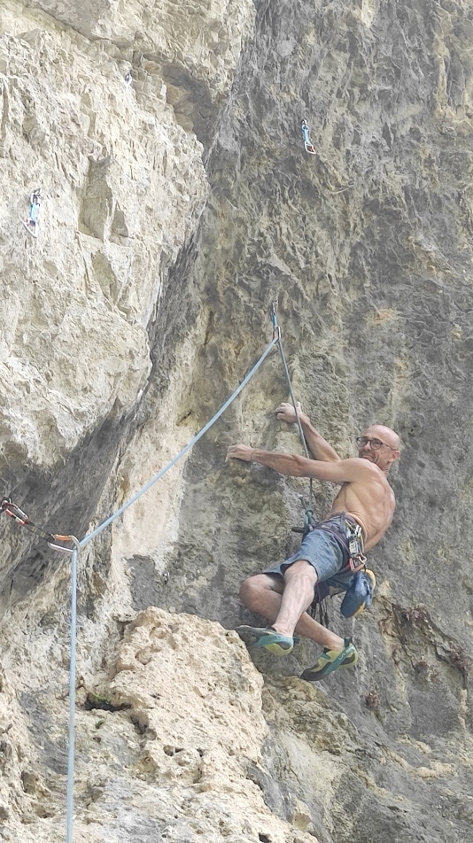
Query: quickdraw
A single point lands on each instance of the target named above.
(357, 560)
(309, 147)
(11, 510)
(309, 519)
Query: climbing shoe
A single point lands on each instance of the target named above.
(266, 639)
(331, 660)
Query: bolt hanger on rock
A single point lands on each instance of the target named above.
(309, 147)
(31, 223)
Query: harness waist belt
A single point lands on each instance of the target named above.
(348, 533)
(343, 523)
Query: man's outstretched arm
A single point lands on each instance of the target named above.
(292, 465)
(318, 446)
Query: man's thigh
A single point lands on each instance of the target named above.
(323, 553)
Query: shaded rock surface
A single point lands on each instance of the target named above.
(176, 205)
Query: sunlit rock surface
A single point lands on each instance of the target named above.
(177, 202)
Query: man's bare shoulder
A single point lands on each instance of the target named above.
(366, 469)
(362, 465)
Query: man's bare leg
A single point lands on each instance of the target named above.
(283, 604)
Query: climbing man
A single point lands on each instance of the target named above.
(363, 508)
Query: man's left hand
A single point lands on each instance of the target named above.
(239, 452)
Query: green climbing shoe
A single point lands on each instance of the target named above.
(266, 639)
(331, 660)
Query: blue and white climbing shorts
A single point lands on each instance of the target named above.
(321, 550)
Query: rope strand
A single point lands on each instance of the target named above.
(181, 453)
(72, 698)
(277, 333)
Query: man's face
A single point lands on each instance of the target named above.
(379, 445)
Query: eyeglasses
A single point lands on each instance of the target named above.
(375, 444)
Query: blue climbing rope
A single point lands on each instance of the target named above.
(72, 697)
(277, 335)
(182, 453)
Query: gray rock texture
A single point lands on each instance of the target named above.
(176, 206)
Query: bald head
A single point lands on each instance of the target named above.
(380, 445)
(386, 434)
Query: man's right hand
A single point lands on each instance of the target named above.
(285, 412)
(239, 452)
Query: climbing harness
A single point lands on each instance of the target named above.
(306, 138)
(349, 535)
(353, 543)
(13, 511)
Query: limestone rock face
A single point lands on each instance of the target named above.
(122, 185)
(174, 740)
(177, 202)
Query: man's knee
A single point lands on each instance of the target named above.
(301, 568)
(249, 590)
(252, 588)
